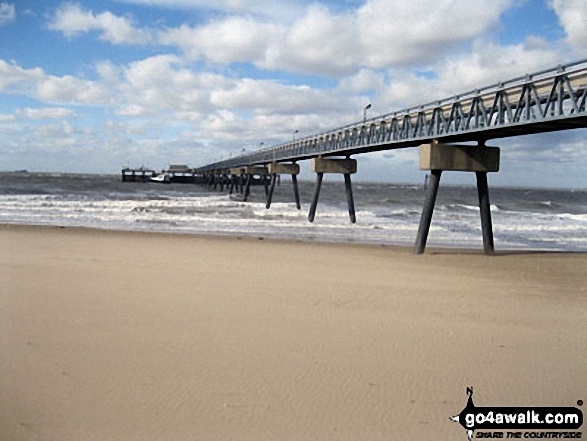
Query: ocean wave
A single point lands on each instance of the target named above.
(575, 217)
(518, 222)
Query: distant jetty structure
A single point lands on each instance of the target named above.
(137, 174)
(181, 174)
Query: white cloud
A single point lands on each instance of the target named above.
(363, 81)
(396, 32)
(56, 135)
(378, 34)
(72, 90)
(134, 110)
(108, 71)
(486, 64)
(227, 125)
(162, 83)
(72, 20)
(154, 72)
(45, 113)
(573, 17)
(7, 13)
(490, 63)
(319, 43)
(7, 118)
(64, 90)
(316, 43)
(268, 97)
(15, 78)
(235, 39)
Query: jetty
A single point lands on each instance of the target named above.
(179, 174)
(452, 134)
(183, 174)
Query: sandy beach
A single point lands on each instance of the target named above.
(131, 336)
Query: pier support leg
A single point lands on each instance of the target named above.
(236, 180)
(349, 197)
(231, 188)
(265, 186)
(251, 171)
(278, 169)
(428, 210)
(485, 211)
(248, 187)
(314, 205)
(439, 157)
(294, 180)
(271, 189)
(345, 167)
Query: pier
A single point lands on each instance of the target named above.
(451, 133)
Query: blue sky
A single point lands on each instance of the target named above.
(90, 86)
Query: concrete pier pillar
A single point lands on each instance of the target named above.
(345, 167)
(278, 169)
(437, 158)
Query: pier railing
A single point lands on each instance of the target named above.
(544, 101)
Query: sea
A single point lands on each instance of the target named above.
(387, 213)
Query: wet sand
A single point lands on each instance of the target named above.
(130, 336)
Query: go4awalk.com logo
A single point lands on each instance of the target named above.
(529, 422)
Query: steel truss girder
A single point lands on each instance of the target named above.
(550, 100)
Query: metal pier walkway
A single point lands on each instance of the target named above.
(546, 101)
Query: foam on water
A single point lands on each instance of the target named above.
(386, 214)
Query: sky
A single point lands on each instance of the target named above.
(92, 86)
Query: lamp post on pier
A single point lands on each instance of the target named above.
(367, 107)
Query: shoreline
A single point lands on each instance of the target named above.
(114, 335)
(430, 249)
